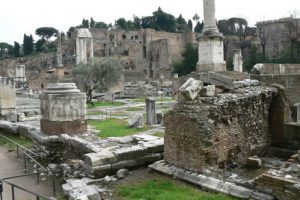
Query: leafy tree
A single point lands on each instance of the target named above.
(190, 25)
(264, 34)
(224, 28)
(189, 62)
(27, 44)
(121, 23)
(196, 17)
(199, 27)
(164, 21)
(70, 31)
(181, 23)
(253, 59)
(46, 32)
(6, 49)
(101, 25)
(40, 45)
(137, 22)
(98, 76)
(92, 23)
(16, 49)
(149, 22)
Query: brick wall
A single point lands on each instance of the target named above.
(66, 127)
(219, 131)
(281, 188)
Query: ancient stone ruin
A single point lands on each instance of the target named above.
(211, 55)
(7, 99)
(83, 35)
(63, 109)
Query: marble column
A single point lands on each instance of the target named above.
(209, 10)
(92, 51)
(84, 50)
(77, 51)
(81, 50)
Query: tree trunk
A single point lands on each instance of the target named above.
(264, 50)
(90, 96)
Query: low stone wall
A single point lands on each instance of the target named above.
(102, 157)
(210, 183)
(280, 187)
(108, 161)
(269, 68)
(220, 131)
(287, 80)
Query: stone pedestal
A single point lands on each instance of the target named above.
(211, 47)
(63, 109)
(151, 111)
(211, 54)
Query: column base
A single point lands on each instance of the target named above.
(217, 67)
(67, 127)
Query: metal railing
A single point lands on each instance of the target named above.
(28, 154)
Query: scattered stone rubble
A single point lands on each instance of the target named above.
(107, 161)
(101, 157)
(209, 183)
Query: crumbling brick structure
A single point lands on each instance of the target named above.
(218, 131)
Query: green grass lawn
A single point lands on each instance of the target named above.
(96, 113)
(158, 99)
(159, 134)
(26, 142)
(114, 128)
(100, 104)
(135, 109)
(162, 189)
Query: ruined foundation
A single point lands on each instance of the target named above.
(63, 110)
(219, 131)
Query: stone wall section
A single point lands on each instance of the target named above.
(218, 131)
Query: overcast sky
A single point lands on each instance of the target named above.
(24, 16)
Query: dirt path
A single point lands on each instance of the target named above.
(11, 166)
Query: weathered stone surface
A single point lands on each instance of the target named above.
(11, 116)
(137, 120)
(100, 158)
(79, 190)
(122, 173)
(124, 164)
(209, 183)
(254, 162)
(208, 91)
(130, 153)
(21, 117)
(7, 96)
(191, 88)
(216, 130)
(151, 111)
(63, 109)
(159, 117)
